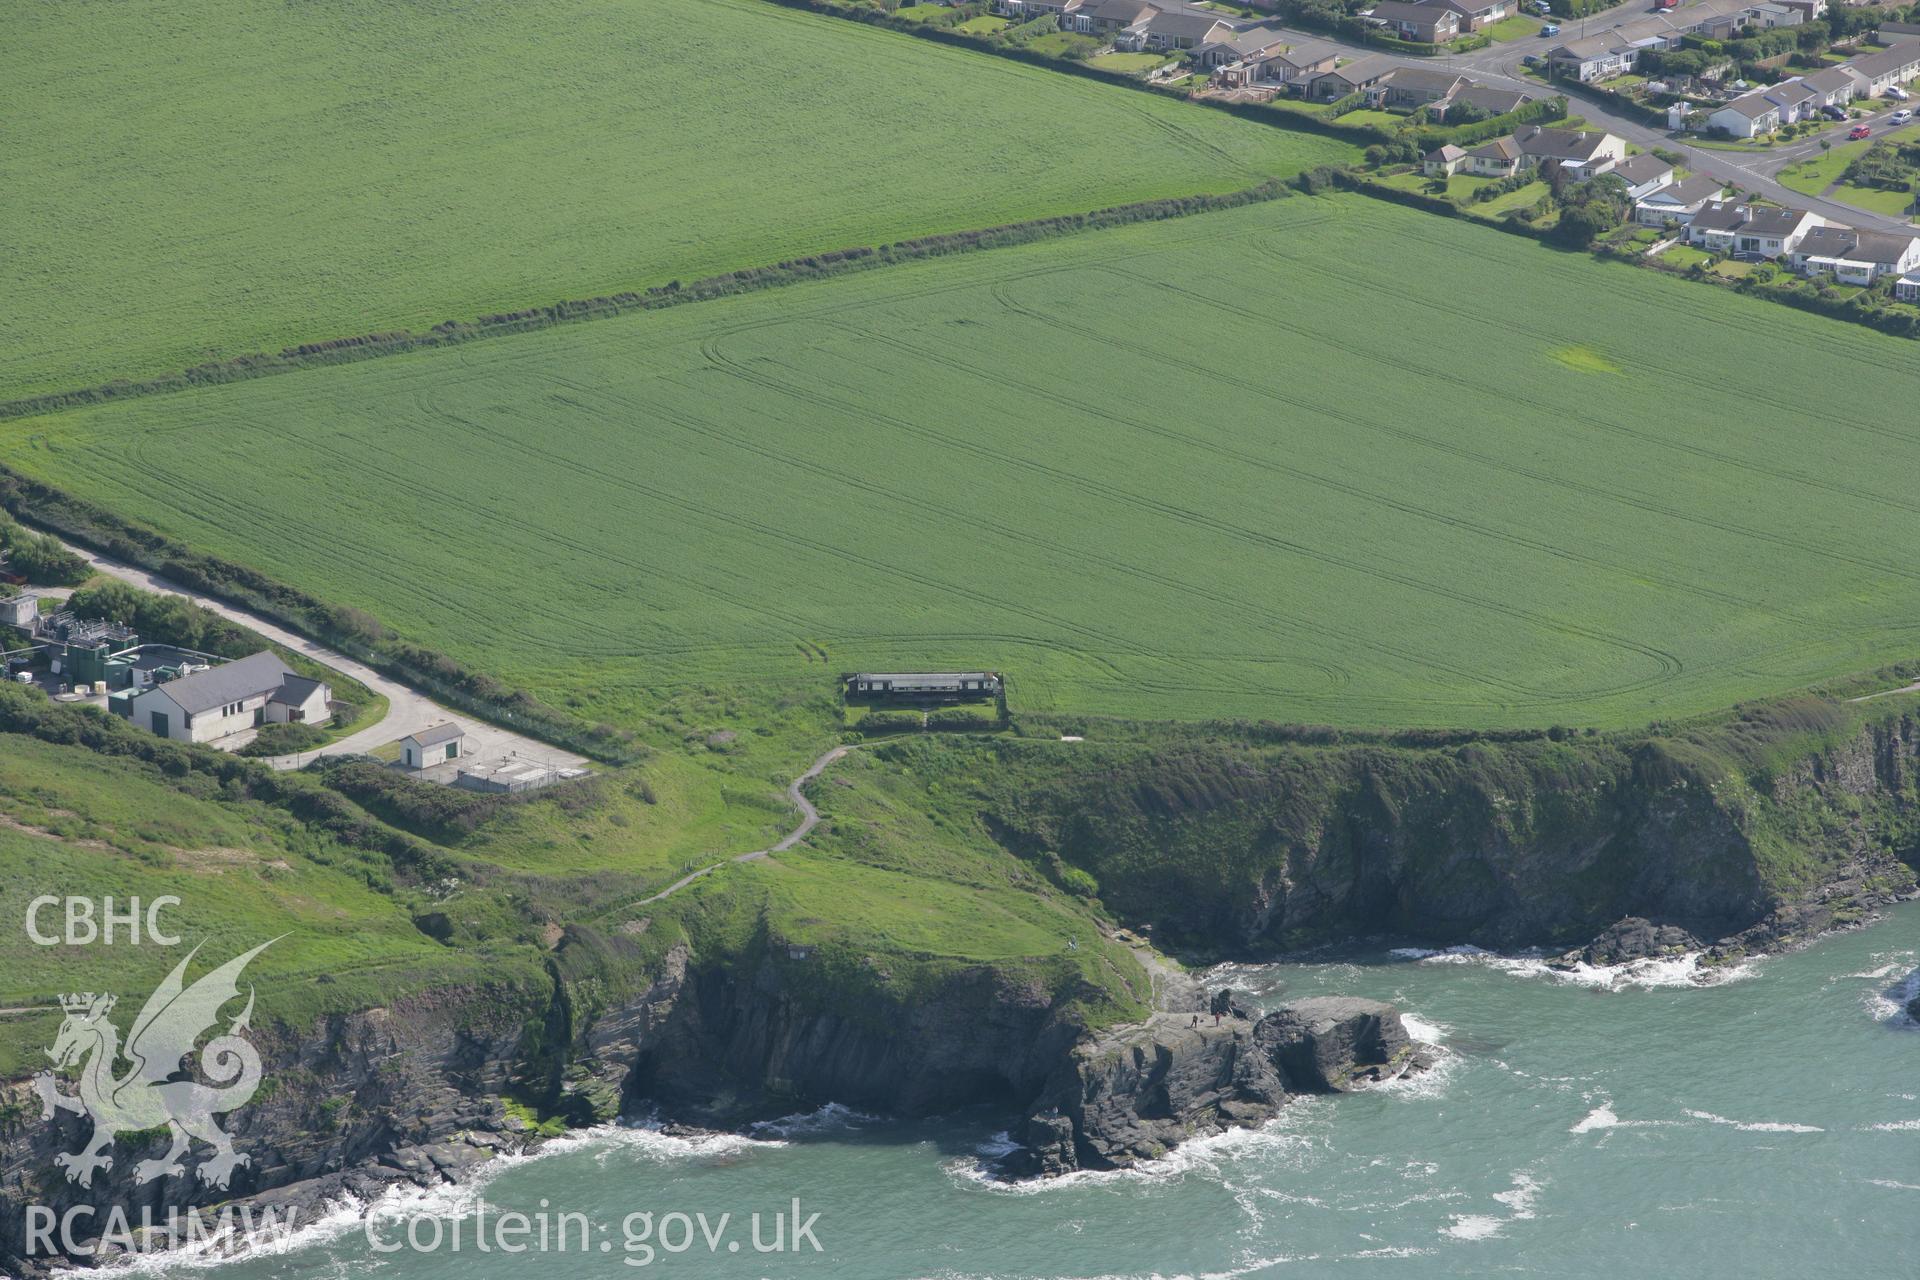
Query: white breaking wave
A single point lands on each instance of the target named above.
(1688, 970)
(1756, 1126)
(1201, 1155)
(1485, 1226)
(1897, 1126)
(1601, 1117)
(1418, 1028)
(346, 1214)
(829, 1118)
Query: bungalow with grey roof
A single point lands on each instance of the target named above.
(1498, 158)
(1852, 256)
(1643, 174)
(1751, 116)
(1766, 230)
(1423, 22)
(1484, 98)
(1418, 86)
(1107, 17)
(1599, 57)
(1166, 31)
(1477, 14)
(1443, 161)
(1580, 153)
(1294, 66)
(1361, 73)
(1768, 16)
(1888, 69)
(1238, 46)
(1835, 86)
(1676, 203)
(1794, 99)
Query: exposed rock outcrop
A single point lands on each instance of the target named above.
(1136, 1092)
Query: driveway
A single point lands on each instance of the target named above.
(407, 709)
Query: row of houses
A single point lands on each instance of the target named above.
(1693, 207)
(1168, 26)
(1809, 244)
(1617, 51)
(1579, 153)
(1264, 58)
(1437, 21)
(1870, 75)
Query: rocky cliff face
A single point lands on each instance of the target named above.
(359, 1102)
(1731, 829)
(1135, 1093)
(1227, 852)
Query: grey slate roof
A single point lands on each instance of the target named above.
(1753, 106)
(1559, 144)
(1831, 78)
(1750, 219)
(234, 681)
(1875, 65)
(1688, 190)
(434, 735)
(1424, 79)
(297, 689)
(1884, 247)
(1491, 100)
(1641, 168)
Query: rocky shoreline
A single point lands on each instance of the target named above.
(1111, 1099)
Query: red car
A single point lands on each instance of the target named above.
(1858, 132)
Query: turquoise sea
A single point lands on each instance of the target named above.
(1621, 1124)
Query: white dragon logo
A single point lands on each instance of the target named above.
(147, 1095)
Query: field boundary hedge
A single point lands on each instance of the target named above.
(817, 266)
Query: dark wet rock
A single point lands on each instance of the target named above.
(1635, 938)
(1134, 1093)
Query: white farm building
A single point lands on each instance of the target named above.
(237, 695)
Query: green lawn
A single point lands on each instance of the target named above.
(1460, 186)
(1128, 62)
(1894, 204)
(1517, 199)
(889, 470)
(984, 23)
(1366, 115)
(1684, 255)
(1517, 27)
(263, 174)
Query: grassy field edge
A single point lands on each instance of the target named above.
(818, 266)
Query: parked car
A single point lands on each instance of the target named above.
(1897, 93)
(1901, 116)
(1551, 29)
(1833, 111)
(1858, 132)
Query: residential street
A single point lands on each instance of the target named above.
(1502, 65)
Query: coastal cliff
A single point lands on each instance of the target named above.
(1742, 836)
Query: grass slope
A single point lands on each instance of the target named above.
(1240, 464)
(182, 182)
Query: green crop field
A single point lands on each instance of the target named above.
(182, 182)
(1239, 464)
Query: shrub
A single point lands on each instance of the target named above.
(39, 557)
(284, 740)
